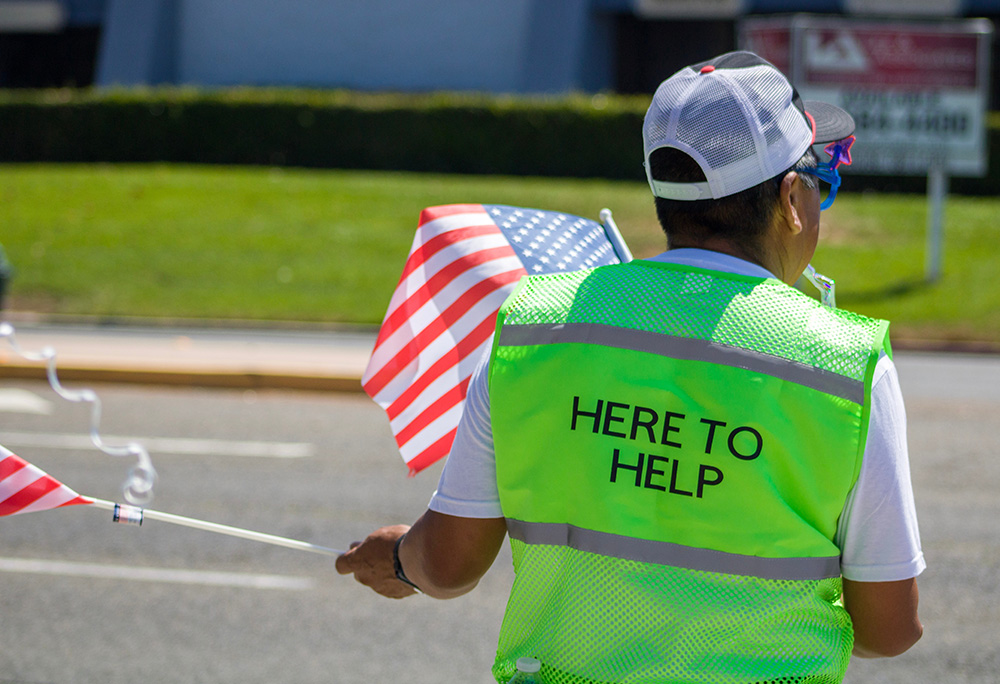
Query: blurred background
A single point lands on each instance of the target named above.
(197, 121)
(531, 103)
(523, 46)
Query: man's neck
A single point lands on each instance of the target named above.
(723, 247)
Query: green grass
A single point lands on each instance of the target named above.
(875, 245)
(328, 246)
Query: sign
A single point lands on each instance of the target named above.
(917, 91)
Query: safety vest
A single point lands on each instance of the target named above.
(674, 447)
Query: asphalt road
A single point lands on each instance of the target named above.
(85, 600)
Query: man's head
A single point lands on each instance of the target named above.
(719, 138)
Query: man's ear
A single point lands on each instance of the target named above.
(792, 189)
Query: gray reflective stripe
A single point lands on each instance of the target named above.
(676, 555)
(686, 349)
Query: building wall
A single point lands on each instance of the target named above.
(509, 46)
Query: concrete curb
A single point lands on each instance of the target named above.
(186, 378)
(235, 357)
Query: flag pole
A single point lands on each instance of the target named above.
(126, 514)
(617, 241)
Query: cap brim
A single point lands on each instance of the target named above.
(832, 122)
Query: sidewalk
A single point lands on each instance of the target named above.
(251, 358)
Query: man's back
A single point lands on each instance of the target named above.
(680, 461)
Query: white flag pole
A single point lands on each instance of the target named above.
(617, 241)
(126, 514)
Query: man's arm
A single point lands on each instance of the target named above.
(884, 615)
(444, 555)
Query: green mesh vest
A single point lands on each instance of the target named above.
(674, 448)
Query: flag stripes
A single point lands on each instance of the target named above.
(441, 315)
(25, 488)
(464, 262)
(455, 319)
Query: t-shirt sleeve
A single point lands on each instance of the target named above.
(468, 484)
(878, 533)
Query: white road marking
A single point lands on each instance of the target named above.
(15, 400)
(137, 574)
(164, 445)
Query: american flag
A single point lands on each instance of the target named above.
(25, 488)
(465, 260)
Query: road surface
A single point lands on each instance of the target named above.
(85, 600)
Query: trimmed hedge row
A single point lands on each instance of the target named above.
(576, 136)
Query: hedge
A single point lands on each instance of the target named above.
(573, 136)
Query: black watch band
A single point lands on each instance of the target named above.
(398, 567)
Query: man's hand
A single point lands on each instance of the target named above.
(371, 562)
(444, 555)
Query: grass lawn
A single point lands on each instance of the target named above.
(328, 246)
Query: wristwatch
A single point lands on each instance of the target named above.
(398, 567)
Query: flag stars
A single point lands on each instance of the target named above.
(549, 242)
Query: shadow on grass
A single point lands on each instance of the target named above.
(896, 289)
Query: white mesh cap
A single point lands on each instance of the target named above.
(740, 119)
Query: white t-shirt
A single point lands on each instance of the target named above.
(877, 532)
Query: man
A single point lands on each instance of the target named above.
(703, 471)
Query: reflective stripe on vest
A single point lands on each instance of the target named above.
(638, 410)
(665, 553)
(683, 348)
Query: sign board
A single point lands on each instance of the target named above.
(917, 91)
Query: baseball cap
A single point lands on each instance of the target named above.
(740, 119)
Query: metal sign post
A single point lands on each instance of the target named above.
(937, 191)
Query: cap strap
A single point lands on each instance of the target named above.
(687, 192)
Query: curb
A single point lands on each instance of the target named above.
(247, 380)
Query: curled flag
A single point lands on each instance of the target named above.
(25, 488)
(464, 262)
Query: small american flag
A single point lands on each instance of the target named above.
(25, 488)
(464, 262)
